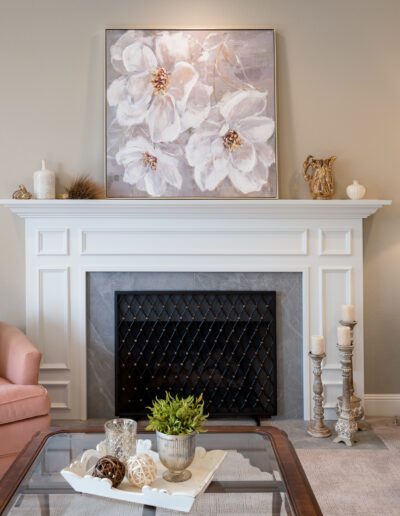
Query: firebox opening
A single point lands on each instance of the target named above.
(219, 343)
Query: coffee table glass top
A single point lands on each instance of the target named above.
(248, 482)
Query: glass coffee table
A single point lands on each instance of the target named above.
(261, 474)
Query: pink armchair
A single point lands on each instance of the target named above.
(24, 405)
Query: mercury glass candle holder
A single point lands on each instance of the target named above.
(121, 438)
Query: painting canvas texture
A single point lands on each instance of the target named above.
(190, 114)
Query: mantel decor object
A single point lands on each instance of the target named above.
(83, 187)
(320, 179)
(44, 183)
(22, 193)
(346, 425)
(355, 401)
(191, 113)
(355, 191)
(317, 428)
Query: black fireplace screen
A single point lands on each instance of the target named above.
(221, 344)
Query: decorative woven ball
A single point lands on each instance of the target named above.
(110, 467)
(141, 470)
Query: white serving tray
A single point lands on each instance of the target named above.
(175, 496)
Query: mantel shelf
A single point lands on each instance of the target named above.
(232, 209)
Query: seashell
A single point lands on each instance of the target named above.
(355, 191)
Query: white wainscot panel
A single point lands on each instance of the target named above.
(207, 241)
(54, 317)
(335, 242)
(52, 241)
(331, 391)
(331, 373)
(59, 392)
(335, 290)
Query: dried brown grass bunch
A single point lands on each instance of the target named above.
(84, 188)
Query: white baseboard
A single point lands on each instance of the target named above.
(382, 404)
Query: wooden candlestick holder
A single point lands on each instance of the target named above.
(355, 401)
(346, 425)
(317, 428)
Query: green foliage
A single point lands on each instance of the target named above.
(177, 416)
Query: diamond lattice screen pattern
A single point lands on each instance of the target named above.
(221, 344)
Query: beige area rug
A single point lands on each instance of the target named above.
(349, 482)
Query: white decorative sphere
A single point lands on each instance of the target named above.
(141, 470)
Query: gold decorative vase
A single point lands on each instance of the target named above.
(320, 178)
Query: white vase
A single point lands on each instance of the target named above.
(44, 183)
(355, 191)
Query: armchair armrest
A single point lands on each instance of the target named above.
(19, 359)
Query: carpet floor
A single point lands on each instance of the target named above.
(355, 481)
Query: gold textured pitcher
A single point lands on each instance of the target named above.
(320, 180)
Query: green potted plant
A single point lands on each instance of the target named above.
(176, 422)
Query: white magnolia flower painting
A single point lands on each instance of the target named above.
(190, 113)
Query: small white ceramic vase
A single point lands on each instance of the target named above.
(355, 191)
(44, 183)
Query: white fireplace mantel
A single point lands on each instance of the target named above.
(64, 240)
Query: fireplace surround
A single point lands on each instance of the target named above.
(66, 240)
(101, 288)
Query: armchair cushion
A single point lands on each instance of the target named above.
(19, 359)
(18, 402)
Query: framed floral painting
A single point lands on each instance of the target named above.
(190, 114)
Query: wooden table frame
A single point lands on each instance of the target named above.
(297, 486)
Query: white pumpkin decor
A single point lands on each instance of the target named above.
(141, 470)
(355, 191)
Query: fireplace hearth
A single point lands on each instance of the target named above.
(219, 343)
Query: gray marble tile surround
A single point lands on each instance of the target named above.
(100, 329)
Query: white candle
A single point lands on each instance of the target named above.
(317, 345)
(348, 313)
(343, 335)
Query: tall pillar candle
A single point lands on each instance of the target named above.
(317, 345)
(344, 336)
(347, 313)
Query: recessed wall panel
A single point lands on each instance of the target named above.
(54, 323)
(52, 242)
(335, 290)
(334, 242)
(208, 241)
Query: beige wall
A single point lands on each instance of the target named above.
(339, 92)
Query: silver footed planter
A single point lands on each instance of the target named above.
(176, 453)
